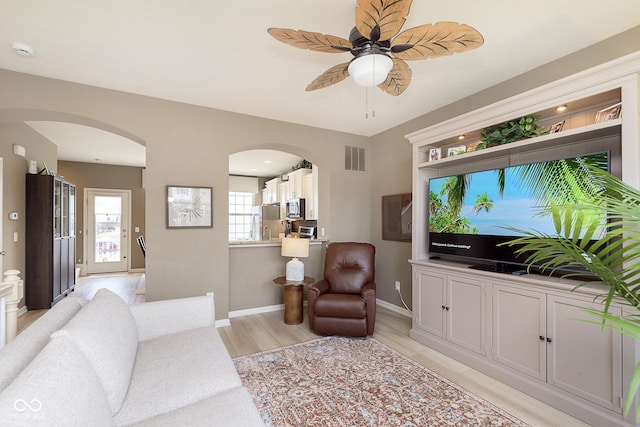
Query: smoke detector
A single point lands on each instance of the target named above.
(23, 49)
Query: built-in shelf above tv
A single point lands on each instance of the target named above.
(584, 133)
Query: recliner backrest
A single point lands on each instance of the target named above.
(349, 266)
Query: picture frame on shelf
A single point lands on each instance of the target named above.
(454, 151)
(189, 207)
(435, 154)
(556, 127)
(609, 113)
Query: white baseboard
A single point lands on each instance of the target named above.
(22, 310)
(137, 270)
(257, 310)
(394, 308)
(223, 322)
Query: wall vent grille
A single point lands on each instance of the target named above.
(354, 159)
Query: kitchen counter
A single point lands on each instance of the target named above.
(272, 242)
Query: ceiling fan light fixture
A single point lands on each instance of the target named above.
(370, 70)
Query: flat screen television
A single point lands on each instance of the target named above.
(467, 213)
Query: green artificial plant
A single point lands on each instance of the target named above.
(614, 258)
(510, 131)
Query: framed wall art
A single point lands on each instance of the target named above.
(189, 207)
(609, 113)
(396, 217)
(454, 151)
(556, 127)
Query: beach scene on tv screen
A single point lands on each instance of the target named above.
(485, 202)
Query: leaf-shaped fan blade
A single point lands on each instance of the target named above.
(309, 40)
(389, 15)
(333, 75)
(398, 78)
(440, 39)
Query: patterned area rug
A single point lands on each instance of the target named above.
(337, 381)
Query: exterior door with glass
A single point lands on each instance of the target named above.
(107, 231)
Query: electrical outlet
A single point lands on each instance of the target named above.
(397, 285)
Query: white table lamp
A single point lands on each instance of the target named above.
(296, 248)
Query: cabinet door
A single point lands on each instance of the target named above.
(307, 193)
(584, 359)
(283, 193)
(72, 264)
(64, 266)
(465, 311)
(56, 279)
(57, 208)
(430, 294)
(519, 330)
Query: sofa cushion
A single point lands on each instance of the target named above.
(105, 332)
(58, 388)
(157, 318)
(233, 407)
(176, 370)
(16, 355)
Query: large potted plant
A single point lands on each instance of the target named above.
(613, 220)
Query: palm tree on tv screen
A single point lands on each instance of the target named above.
(561, 181)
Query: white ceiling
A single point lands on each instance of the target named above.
(218, 53)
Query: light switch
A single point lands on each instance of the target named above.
(15, 236)
(137, 229)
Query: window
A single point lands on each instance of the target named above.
(240, 215)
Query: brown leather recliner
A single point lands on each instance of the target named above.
(344, 302)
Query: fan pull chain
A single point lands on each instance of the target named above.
(366, 97)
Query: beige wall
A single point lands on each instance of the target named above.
(189, 145)
(91, 175)
(13, 197)
(252, 270)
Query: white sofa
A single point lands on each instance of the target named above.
(103, 362)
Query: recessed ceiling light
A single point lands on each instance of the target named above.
(561, 108)
(23, 49)
(461, 137)
(267, 161)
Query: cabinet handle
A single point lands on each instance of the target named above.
(443, 307)
(548, 339)
(541, 338)
(446, 308)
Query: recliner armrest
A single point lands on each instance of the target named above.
(369, 291)
(320, 287)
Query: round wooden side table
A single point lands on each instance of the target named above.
(293, 298)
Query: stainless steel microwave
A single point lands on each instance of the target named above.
(295, 208)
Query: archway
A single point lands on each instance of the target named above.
(265, 176)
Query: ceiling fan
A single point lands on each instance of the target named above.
(379, 57)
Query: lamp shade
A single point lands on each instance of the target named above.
(370, 70)
(295, 247)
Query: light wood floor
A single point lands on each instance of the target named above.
(260, 332)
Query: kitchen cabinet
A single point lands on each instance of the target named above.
(451, 307)
(49, 240)
(272, 191)
(308, 193)
(296, 180)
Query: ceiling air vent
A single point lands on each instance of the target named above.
(354, 158)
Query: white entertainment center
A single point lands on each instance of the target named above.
(522, 329)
